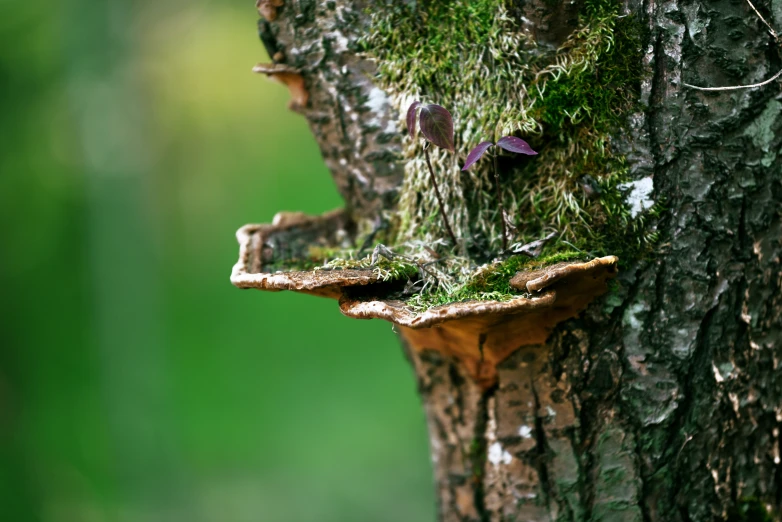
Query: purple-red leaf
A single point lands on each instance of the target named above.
(517, 145)
(437, 125)
(476, 153)
(411, 117)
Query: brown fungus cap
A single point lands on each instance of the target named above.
(483, 333)
(479, 333)
(290, 235)
(268, 8)
(289, 77)
(536, 280)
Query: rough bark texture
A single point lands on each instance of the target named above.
(352, 120)
(663, 403)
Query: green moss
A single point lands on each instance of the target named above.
(567, 104)
(477, 456)
(436, 54)
(386, 269)
(440, 52)
(579, 111)
(600, 94)
(320, 258)
(750, 509)
(490, 282)
(422, 302)
(469, 56)
(497, 277)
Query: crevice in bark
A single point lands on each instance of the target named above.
(578, 451)
(684, 513)
(478, 453)
(700, 360)
(587, 476)
(457, 382)
(659, 289)
(589, 421)
(645, 486)
(341, 118)
(541, 449)
(778, 471)
(677, 439)
(560, 350)
(656, 97)
(744, 242)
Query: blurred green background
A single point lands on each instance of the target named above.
(136, 384)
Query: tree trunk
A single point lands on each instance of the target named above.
(662, 402)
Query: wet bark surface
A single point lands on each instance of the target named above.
(662, 402)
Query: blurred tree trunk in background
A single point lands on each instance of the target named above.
(664, 401)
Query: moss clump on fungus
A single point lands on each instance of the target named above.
(490, 282)
(470, 56)
(319, 258)
(386, 269)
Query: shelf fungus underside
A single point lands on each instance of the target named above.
(480, 333)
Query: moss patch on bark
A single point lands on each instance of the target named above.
(473, 58)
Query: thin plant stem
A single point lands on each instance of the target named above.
(439, 198)
(499, 203)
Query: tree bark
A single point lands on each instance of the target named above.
(663, 402)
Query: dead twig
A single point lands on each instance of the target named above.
(735, 87)
(750, 86)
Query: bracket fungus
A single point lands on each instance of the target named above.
(268, 8)
(289, 77)
(481, 334)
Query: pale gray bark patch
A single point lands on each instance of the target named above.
(357, 129)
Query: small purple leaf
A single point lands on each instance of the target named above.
(517, 145)
(476, 153)
(411, 117)
(437, 125)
